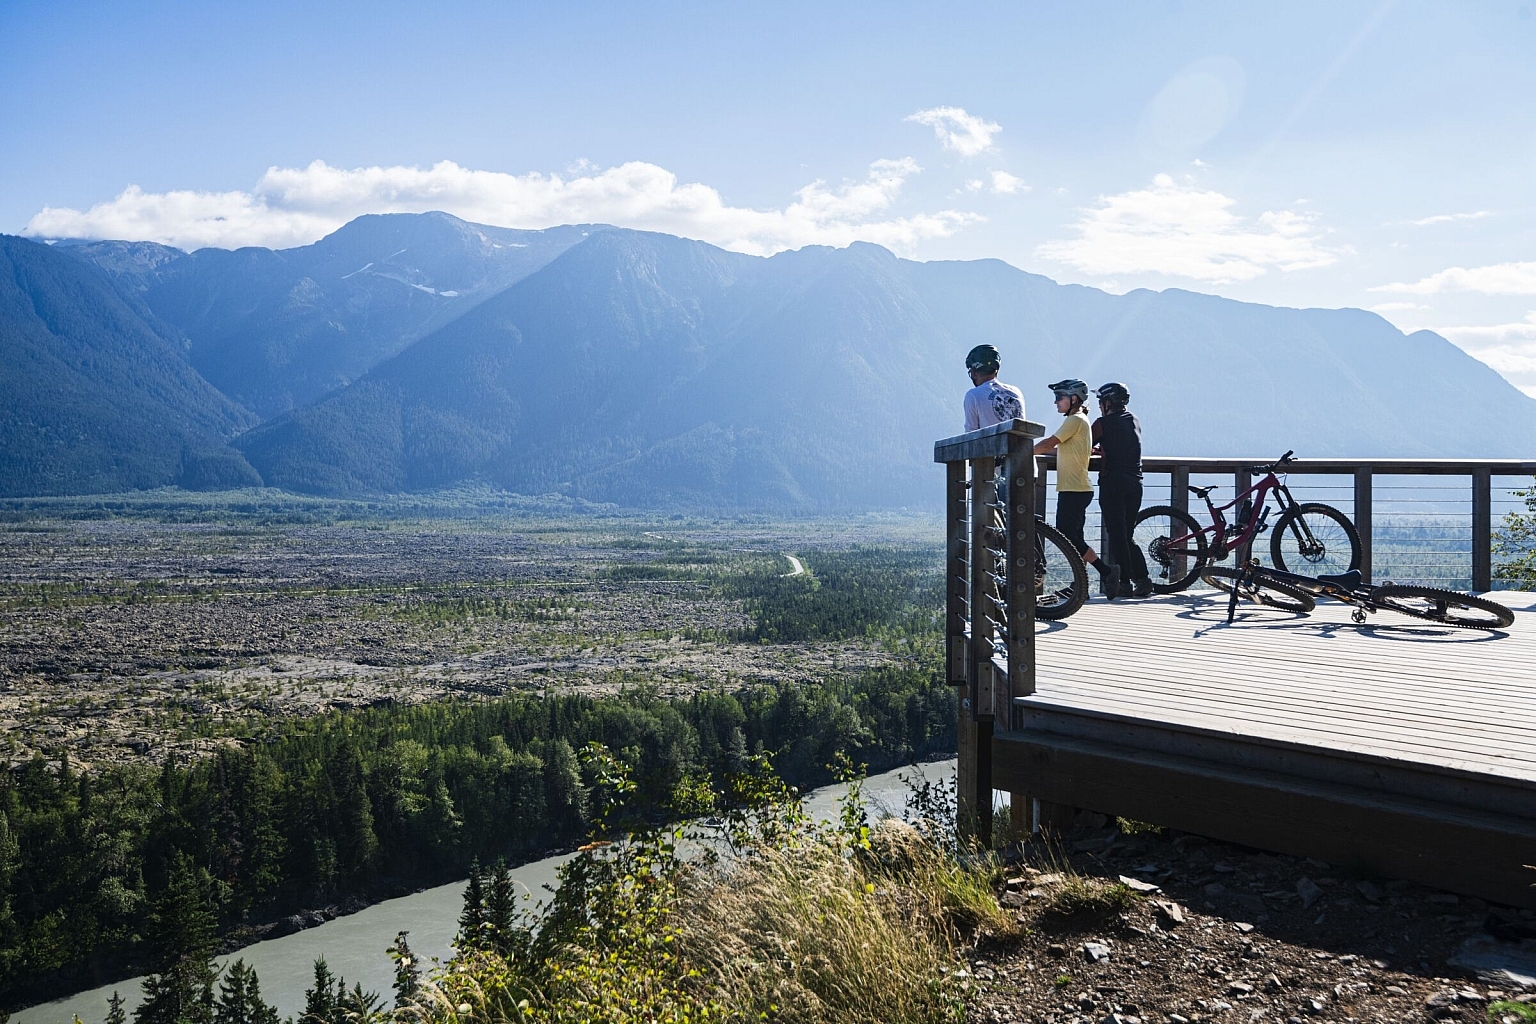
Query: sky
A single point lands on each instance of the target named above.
(1377, 154)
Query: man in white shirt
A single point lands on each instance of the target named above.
(990, 400)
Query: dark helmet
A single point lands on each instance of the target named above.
(1070, 386)
(983, 359)
(1114, 393)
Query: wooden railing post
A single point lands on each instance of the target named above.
(1242, 480)
(1363, 518)
(1020, 469)
(973, 772)
(957, 574)
(983, 496)
(1178, 497)
(1482, 528)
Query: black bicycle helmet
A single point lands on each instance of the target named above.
(983, 359)
(1114, 393)
(1070, 387)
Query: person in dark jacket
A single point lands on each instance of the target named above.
(1117, 435)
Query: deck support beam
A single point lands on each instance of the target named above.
(1458, 848)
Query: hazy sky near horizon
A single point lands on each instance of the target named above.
(1374, 154)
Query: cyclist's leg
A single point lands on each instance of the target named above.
(1120, 502)
(1071, 516)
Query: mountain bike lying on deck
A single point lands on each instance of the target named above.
(1307, 535)
(1289, 592)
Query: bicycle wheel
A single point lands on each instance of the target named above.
(1259, 590)
(1061, 585)
(1314, 539)
(1174, 547)
(1443, 606)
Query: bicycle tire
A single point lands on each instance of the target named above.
(1440, 606)
(1260, 590)
(1058, 599)
(1154, 533)
(1324, 523)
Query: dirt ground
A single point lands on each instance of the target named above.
(125, 638)
(1233, 935)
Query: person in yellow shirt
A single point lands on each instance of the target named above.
(1073, 444)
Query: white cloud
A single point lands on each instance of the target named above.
(1495, 279)
(1442, 218)
(1007, 184)
(1396, 307)
(297, 205)
(1185, 231)
(962, 132)
(1524, 329)
(1508, 348)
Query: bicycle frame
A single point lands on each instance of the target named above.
(1363, 596)
(1221, 543)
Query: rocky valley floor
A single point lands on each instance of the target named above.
(125, 636)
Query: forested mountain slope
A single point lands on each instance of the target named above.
(95, 393)
(646, 369)
(277, 329)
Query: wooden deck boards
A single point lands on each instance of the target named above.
(1399, 689)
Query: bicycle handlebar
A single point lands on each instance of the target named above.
(1288, 457)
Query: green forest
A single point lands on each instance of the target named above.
(366, 803)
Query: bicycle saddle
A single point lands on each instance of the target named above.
(1201, 492)
(1348, 580)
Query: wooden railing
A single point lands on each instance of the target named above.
(1362, 472)
(989, 594)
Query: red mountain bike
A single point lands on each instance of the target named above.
(1308, 537)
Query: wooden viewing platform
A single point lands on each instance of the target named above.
(1399, 747)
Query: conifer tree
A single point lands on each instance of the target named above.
(407, 971)
(472, 918)
(355, 1006)
(320, 998)
(115, 1011)
(500, 909)
(565, 799)
(240, 999)
(182, 929)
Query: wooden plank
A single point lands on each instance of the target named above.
(1178, 497)
(1356, 660)
(965, 765)
(1363, 519)
(983, 495)
(1363, 770)
(1477, 854)
(1340, 732)
(1330, 467)
(987, 443)
(956, 574)
(1482, 529)
(1303, 695)
(1020, 473)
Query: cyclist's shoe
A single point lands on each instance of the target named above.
(1109, 583)
(1126, 590)
(1142, 588)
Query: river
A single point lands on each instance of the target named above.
(354, 945)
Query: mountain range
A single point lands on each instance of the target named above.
(408, 352)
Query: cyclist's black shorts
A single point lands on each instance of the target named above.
(1071, 513)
